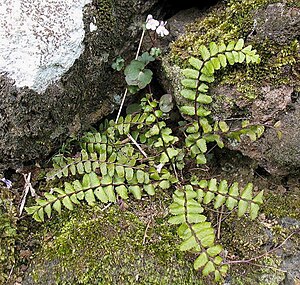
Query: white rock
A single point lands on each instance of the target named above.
(40, 39)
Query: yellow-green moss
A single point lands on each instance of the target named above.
(266, 272)
(245, 239)
(282, 205)
(8, 233)
(112, 247)
(235, 20)
(105, 14)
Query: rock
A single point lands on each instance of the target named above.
(265, 94)
(277, 22)
(55, 69)
(278, 155)
(291, 265)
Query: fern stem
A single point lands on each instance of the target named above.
(202, 248)
(137, 145)
(140, 44)
(165, 147)
(126, 90)
(121, 106)
(219, 223)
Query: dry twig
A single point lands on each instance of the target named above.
(27, 187)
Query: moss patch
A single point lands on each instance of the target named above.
(112, 247)
(237, 20)
(245, 240)
(8, 233)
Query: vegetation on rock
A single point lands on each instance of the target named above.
(139, 154)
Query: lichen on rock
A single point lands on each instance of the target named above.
(42, 37)
(40, 40)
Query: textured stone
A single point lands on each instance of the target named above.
(264, 94)
(56, 77)
(40, 40)
(277, 22)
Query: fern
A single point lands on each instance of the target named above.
(110, 166)
(198, 234)
(195, 90)
(139, 155)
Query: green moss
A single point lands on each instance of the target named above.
(245, 240)
(105, 14)
(8, 233)
(112, 247)
(243, 237)
(277, 206)
(230, 22)
(267, 272)
(222, 24)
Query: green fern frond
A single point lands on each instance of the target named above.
(195, 90)
(219, 194)
(113, 165)
(197, 234)
(140, 155)
(106, 188)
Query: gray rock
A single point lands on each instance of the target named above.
(277, 22)
(292, 266)
(278, 155)
(274, 25)
(55, 69)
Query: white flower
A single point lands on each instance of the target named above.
(151, 24)
(159, 167)
(161, 29)
(93, 27)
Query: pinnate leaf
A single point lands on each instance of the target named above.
(204, 52)
(201, 260)
(67, 203)
(195, 62)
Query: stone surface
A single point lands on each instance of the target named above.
(56, 76)
(277, 22)
(40, 40)
(265, 94)
(279, 156)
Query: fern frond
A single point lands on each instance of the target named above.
(195, 90)
(197, 234)
(105, 189)
(219, 194)
(140, 155)
(110, 161)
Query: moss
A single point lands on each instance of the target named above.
(230, 22)
(8, 233)
(267, 272)
(245, 240)
(277, 207)
(112, 247)
(104, 15)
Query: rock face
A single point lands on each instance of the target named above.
(44, 44)
(55, 74)
(265, 94)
